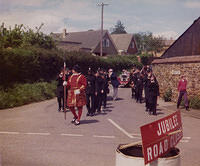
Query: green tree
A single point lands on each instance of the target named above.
(119, 28)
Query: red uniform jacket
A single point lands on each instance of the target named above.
(182, 85)
(76, 85)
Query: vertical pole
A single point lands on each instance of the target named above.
(101, 45)
(64, 75)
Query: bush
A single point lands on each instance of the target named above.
(22, 94)
(167, 95)
(194, 102)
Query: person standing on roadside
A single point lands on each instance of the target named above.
(114, 82)
(182, 88)
(76, 86)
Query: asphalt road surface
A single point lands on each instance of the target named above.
(38, 135)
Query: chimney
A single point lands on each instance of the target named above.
(64, 32)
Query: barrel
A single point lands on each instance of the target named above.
(131, 155)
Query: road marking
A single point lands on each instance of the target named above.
(186, 137)
(37, 133)
(5, 132)
(103, 136)
(137, 135)
(121, 129)
(184, 141)
(72, 135)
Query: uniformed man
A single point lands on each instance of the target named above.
(90, 93)
(76, 85)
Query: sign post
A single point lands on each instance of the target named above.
(160, 136)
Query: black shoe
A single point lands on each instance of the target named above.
(154, 113)
(187, 108)
(88, 114)
(59, 109)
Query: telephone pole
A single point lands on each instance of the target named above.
(101, 44)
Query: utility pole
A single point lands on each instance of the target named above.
(101, 44)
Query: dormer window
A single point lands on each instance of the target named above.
(132, 45)
(106, 43)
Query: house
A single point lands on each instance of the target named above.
(181, 58)
(188, 44)
(125, 43)
(88, 41)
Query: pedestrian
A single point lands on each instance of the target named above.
(182, 89)
(114, 82)
(90, 93)
(60, 91)
(153, 94)
(76, 85)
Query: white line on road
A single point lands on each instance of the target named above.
(121, 129)
(72, 135)
(103, 136)
(184, 141)
(186, 137)
(37, 133)
(5, 132)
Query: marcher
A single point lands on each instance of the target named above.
(153, 94)
(90, 93)
(106, 88)
(100, 84)
(132, 80)
(60, 91)
(76, 85)
(182, 88)
(139, 87)
(146, 81)
(114, 82)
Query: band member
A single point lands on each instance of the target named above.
(60, 91)
(90, 93)
(76, 85)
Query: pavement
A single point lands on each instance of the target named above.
(172, 106)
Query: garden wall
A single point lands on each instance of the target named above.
(169, 70)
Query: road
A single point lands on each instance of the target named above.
(38, 135)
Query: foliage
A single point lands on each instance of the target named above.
(146, 42)
(119, 28)
(146, 59)
(21, 65)
(22, 94)
(194, 102)
(167, 95)
(20, 36)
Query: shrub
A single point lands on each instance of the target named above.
(21, 94)
(167, 95)
(194, 102)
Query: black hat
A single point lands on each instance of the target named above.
(77, 68)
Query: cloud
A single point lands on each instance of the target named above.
(192, 4)
(167, 34)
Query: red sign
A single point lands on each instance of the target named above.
(159, 136)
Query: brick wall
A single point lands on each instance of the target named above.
(169, 70)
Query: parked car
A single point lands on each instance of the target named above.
(124, 78)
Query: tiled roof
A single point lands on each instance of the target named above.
(88, 39)
(122, 41)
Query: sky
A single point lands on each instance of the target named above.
(166, 18)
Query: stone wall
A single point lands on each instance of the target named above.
(169, 70)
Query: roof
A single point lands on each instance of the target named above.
(88, 39)
(122, 41)
(188, 44)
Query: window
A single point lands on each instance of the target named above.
(132, 44)
(106, 43)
